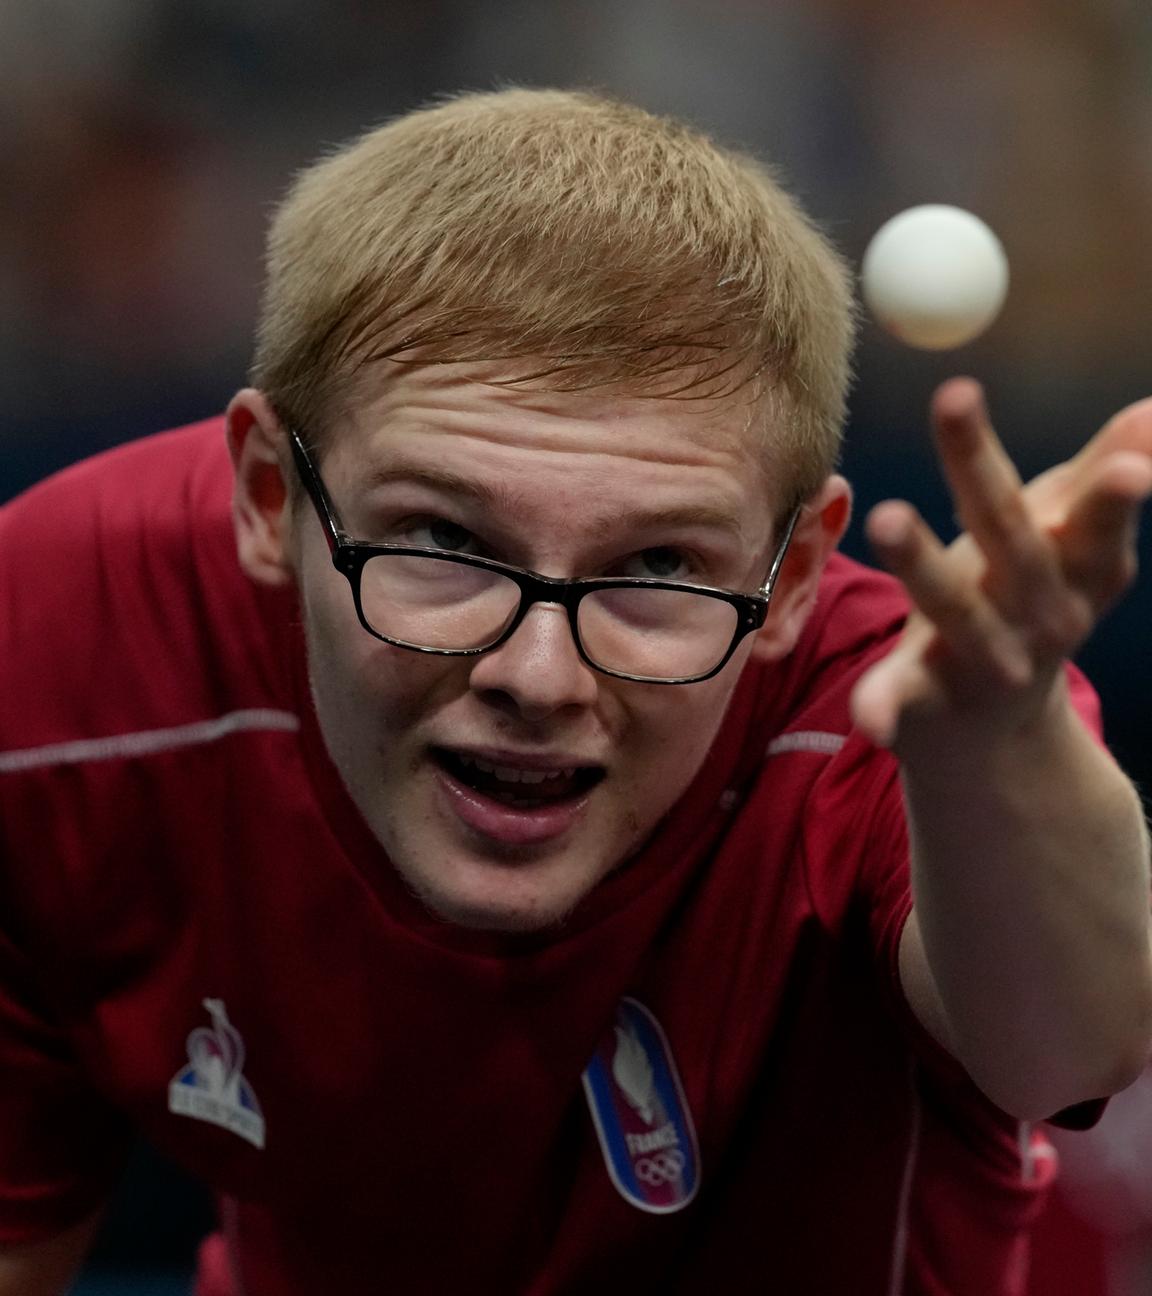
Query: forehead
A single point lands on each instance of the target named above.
(468, 420)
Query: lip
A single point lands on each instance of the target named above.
(548, 762)
(506, 824)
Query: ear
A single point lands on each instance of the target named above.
(261, 501)
(822, 523)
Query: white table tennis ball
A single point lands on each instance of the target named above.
(934, 276)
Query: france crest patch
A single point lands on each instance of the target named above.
(641, 1117)
(212, 1086)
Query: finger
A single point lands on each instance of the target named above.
(1129, 429)
(945, 592)
(1050, 494)
(882, 693)
(1097, 542)
(989, 497)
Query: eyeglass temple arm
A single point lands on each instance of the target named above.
(781, 551)
(333, 530)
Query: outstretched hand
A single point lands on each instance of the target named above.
(998, 611)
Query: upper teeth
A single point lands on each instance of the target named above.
(512, 775)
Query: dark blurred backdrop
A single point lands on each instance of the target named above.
(142, 143)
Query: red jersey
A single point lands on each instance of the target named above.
(706, 1081)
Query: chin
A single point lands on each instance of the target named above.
(500, 908)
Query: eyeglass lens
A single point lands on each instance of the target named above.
(428, 602)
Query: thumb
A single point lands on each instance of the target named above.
(883, 692)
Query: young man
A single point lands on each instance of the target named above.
(420, 824)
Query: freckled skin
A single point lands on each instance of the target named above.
(575, 465)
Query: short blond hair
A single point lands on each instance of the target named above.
(582, 240)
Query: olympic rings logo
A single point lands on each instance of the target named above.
(664, 1167)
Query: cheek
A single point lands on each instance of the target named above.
(682, 728)
(371, 688)
(360, 684)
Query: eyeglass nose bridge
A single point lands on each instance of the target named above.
(557, 592)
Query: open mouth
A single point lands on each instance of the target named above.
(519, 789)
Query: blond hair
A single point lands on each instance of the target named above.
(581, 240)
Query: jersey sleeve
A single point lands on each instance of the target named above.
(888, 885)
(61, 1145)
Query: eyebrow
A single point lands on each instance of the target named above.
(439, 479)
(502, 497)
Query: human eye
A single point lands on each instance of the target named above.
(661, 562)
(437, 533)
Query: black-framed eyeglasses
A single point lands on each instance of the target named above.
(460, 605)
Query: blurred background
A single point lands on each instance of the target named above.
(143, 143)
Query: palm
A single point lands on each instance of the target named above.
(998, 611)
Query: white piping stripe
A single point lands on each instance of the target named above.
(807, 740)
(149, 741)
(900, 1240)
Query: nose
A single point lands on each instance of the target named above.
(538, 671)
